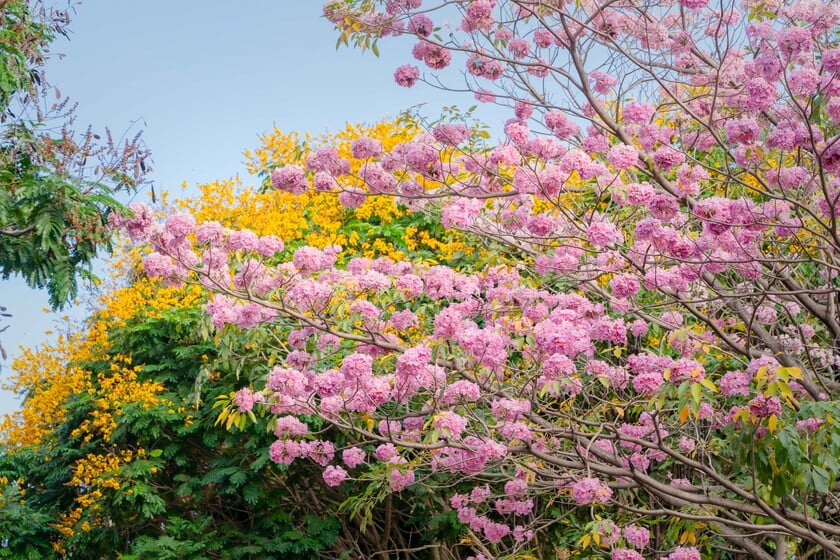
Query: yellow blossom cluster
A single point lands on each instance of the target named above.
(44, 375)
(82, 517)
(101, 470)
(48, 375)
(134, 301)
(113, 391)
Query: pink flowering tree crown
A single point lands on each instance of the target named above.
(660, 351)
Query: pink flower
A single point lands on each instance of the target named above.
(290, 382)
(289, 178)
(319, 451)
(516, 487)
(687, 444)
(639, 328)
(479, 494)
(523, 110)
(603, 82)
(518, 507)
(435, 56)
(357, 366)
(364, 148)
(623, 156)
(667, 157)
(684, 553)
(439, 283)
(268, 245)
(450, 424)
(519, 47)
(221, 311)
(377, 179)
(510, 409)
(764, 407)
(402, 320)
(309, 294)
(410, 285)
(833, 109)
(451, 134)
(735, 383)
(521, 534)
(484, 67)
(638, 537)
(742, 131)
(625, 554)
(541, 225)
(209, 232)
(290, 426)
(495, 532)
(590, 490)
(648, 383)
(352, 197)
(309, 259)
(421, 25)
(245, 399)
(413, 362)
(624, 285)
(386, 452)
(519, 134)
(243, 240)
(334, 476)
(556, 366)
(804, 82)
(794, 40)
(461, 391)
(684, 368)
(285, 451)
(400, 480)
(637, 113)
(760, 94)
(353, 457)
(831, 60)
(180, 225)
(138, 226)
(560, 125)
(327, 160)
(809, 425)
(543, 38)
(478, 15)
(603, 234)
(156, 265)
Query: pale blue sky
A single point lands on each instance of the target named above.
(203, 79)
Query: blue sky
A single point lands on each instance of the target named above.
(203, 79)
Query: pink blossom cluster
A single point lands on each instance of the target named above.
(590, 490)
(136, 226)
(683, 553)
(285, 451)
(246, 398)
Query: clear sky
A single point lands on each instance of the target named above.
(203, 79)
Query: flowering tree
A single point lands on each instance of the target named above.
(650, 369)
(118, 449)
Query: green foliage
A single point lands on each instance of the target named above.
(56, 187)
(23, 40)
(50, 227)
